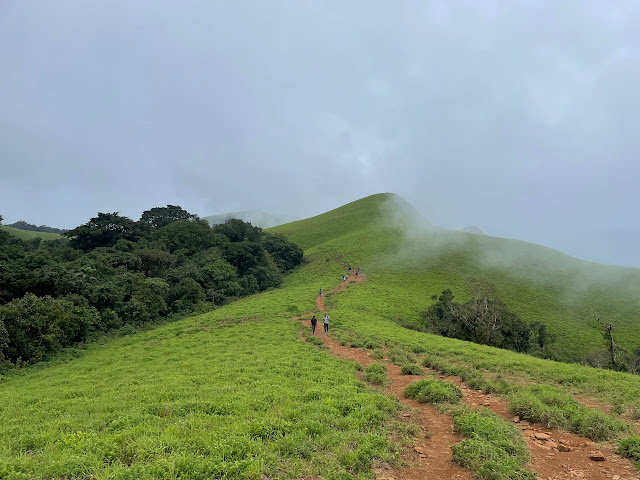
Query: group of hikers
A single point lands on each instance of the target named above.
(325, 322)
(325, 319)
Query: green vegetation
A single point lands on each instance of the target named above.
(115, 273)
(555, 408)
(630, 448)
(22, 225)
(412, 370)
(433, 391)
(376, 373)
(237, 393)
(27, 234)
(484, 319)
(494, 449)
(212, 396)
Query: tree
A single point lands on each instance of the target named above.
(1, 219)
(103, 231)
(159, 217)
(238, 231)
(607, 329)
(286, 254)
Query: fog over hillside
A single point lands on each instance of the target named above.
(517, 117)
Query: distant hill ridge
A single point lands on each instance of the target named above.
(256, 218)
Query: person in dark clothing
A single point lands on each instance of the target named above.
(314, 322)
(349, 269)
(325, 321)
(320, 294)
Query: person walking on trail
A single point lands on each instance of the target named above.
(320, 294)
(357, 271)
(314, 322)
(325, 321)
(349, 269)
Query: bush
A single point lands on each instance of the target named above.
(630, 447)
(401, 357)
(556, 409)
(376, 373)
(433, 391)
(412, 370)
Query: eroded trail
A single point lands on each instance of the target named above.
(556, 454)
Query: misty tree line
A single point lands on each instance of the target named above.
(30, 227)
(484, 319)
(114, 273)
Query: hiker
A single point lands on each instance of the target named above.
(314, 322)
(320, 294)
(325, 321)
(349, 269)
(357, 271)
(344, 278)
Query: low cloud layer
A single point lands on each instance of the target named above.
(520, 118)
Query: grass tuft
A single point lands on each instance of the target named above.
(557, 409)
(412, 370)
(376, 373)
(433, 391)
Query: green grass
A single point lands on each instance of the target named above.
(376, 373)
(630, 448)
(412, 370)
(158, 404)
(493, 448)
(433, 391)
(29, 235)
(557, 409)
(216, 395)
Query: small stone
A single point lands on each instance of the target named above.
(596, 456)
(516, 419)
(552, 444)
(615, 477)
(486, 404)
(564, 448)
(524, 422)
(419, 450)
(541, 436)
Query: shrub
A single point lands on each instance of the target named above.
(433, 391)
(412, 370)
(376, 373)
(494, 449)
(630, 447)
(556, 409)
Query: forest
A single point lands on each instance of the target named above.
(114, 273)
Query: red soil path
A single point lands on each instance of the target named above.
(430, 455)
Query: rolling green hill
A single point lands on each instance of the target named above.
(28, 235)
(238, 393)
(409, 259)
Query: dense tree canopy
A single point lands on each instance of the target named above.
(114, 273)
(159, 217)
(484, 319)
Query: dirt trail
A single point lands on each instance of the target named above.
(430, 457)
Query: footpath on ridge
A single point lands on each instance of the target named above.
(555, 454)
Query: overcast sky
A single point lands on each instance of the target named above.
(521, 117)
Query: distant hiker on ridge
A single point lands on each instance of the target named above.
(325, 321)
(320, 294)
(314, 322)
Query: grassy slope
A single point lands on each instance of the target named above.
(542, 285)
(28, 235)
(229, 394)
(409, 264)
(235, 393)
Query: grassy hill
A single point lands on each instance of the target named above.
(237, 393)
(412, 260)
(28, 235)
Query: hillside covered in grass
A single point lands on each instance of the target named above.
(238, 393)
(28, 234)
(409, 260)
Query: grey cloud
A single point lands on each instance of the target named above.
(519, 117)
